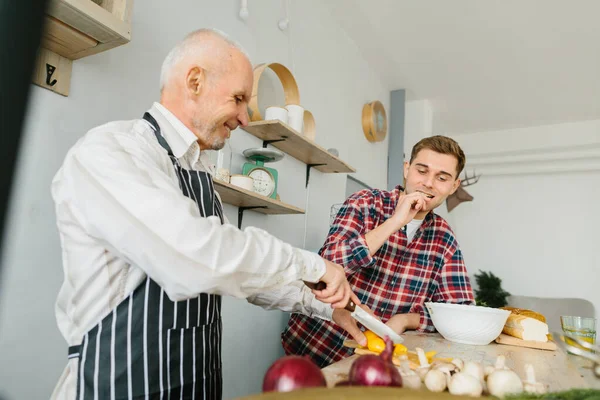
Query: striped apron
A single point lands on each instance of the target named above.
(150, 347)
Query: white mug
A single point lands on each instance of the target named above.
(295, 117)
(276, 113)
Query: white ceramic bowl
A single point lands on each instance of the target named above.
(467, 324)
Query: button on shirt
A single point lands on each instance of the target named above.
(121, 216)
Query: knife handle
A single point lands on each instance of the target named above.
(322, 285)
(316, 286)
(350, 306)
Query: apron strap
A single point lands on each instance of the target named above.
(157, 133)
(74, 351)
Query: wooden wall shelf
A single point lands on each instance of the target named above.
(247, 200)
(286, 139)
(75, 29)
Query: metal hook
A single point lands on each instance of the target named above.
(49, 71)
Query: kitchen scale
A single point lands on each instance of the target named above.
(265, 178)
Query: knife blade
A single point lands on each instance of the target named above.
(367, 320)
(373, 323)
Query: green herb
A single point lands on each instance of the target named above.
(489, 291)
(573, 394)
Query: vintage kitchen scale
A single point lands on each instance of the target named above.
(265, 178)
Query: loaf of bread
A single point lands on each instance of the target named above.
(526, 313)
(526, 325)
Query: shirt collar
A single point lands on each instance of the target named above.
(179, 136)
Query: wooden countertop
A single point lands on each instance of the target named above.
(558, 370)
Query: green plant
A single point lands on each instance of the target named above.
(489, 292)
(573, 394)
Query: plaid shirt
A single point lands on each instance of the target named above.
(399, 278)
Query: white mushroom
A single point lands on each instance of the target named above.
(502, 382)
(423, 363)
(487, 370)
(463, 384)
(459, 363)
(474, 369)
(435, 380)
(445, 367)
(410, 379)
(530, 385)
(500, 363)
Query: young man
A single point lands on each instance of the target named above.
(397, 253)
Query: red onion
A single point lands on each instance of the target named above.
(291, 373)
(372, 370)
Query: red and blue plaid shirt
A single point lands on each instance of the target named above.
(399, 278)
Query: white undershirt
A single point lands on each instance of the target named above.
(411, 228)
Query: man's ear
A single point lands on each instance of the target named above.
(406, 166)
(194, 80)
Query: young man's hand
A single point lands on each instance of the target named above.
(403, 322)
(343, 319)
(408, 206)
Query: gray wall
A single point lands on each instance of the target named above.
(121, 84)
(396, 141)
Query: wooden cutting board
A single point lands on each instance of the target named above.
(513, 341)
(357, 393)
(413, 358)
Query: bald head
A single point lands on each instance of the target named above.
(211, 49)
(206, 82)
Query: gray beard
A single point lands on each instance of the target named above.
(208, 136)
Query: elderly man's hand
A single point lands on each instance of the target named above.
(337, 290)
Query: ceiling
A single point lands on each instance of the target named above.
(483, 64)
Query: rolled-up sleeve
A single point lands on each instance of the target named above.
(346, 244)
(294, 298)
(123, 196)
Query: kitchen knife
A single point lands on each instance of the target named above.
(367, 320)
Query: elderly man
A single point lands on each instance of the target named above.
(398, 254)
(146, 255)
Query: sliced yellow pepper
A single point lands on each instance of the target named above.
(430, 355)
(374, 342)
(400, 349)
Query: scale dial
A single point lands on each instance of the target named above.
(264, 182)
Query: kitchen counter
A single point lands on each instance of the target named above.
(558, 370)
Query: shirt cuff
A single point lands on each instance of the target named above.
(425, 324)
(321, 310)
(311, 266)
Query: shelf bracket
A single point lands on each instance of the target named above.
(267, 142)
(241, 213)
(308, 167)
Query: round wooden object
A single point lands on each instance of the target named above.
(374, 121)
(357, 393)
(309, 125)
(290, 88)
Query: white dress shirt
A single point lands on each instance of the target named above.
(121, 216)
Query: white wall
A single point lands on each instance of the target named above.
(334, 80)
(534, 220)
